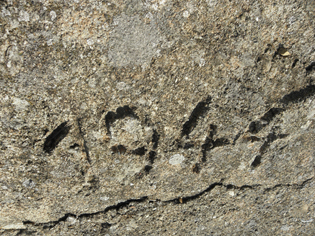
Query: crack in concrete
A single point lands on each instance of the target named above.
(52, 224)
(297, 186)
(211, 187)
(179, 200)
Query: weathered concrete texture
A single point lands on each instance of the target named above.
(157, 117)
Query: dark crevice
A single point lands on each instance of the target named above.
(294, 63)
(139, 151)
(109, 118)
(188, 145)
(148, 121)
(213, 130)
(237, 136)
(231, 186)
(296, 186)
(182, 200)
(211, 144)
(281, 136)
(26, 232)
(196, 168)
(120, 149)
(155, 139)
(269, 115)
(55, 137)
(121, 112)
(74, 146)
(265, 145)
(114, 207)
(271, 138)
(251, 138)
(258, 59)
(45, 131)
(256, 162)
(199, 110)
(147, 168)
(311, 67)
(177, 143)
(152, 156)
(257, 125)
(193, 197)
(28, 222)
(145, 171)
(299, 95)
(51, 224)
(104, 227)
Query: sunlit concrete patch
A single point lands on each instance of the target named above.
(176, 159)
(130, 133)
(132, 42)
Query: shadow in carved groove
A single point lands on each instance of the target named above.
(152, 156)
(297, 96)
(155, 139)
(210, 144)
(121, 112)
(310, 68)
(257, 125)
(199, 110)
(139, 151)
(56, 136)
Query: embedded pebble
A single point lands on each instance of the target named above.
(176, 159)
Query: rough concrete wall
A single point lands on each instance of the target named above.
(157, 117)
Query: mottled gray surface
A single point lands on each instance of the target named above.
(132, 42)
(157, 117)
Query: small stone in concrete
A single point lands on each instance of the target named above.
(176, 159)
(14, 226)
(20, 104)
(29, 183)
